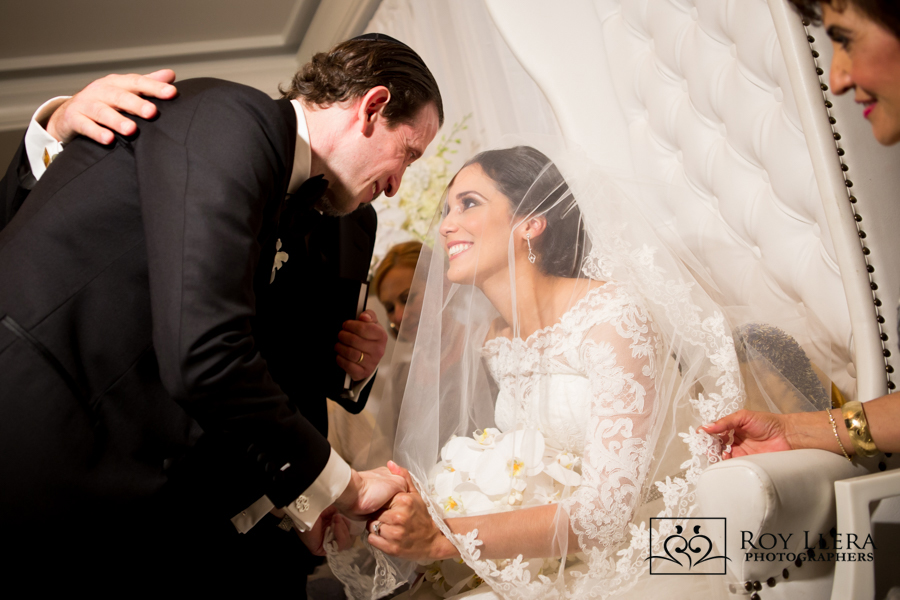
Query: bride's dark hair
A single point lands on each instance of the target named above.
(527, 177)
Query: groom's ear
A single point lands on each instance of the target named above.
(371, 108)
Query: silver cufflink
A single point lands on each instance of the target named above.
(301, 504)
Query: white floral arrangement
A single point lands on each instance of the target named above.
(490, 472)
(408, 214)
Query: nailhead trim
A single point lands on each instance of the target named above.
(853, 206)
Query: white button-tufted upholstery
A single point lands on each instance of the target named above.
(701, 94)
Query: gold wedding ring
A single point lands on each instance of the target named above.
(362, 355)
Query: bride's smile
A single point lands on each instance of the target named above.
(476, 227)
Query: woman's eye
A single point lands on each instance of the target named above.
(469, 203)
(404, 298)
(839, 38)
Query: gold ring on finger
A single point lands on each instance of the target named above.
(362, 355)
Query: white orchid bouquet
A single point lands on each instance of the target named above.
(494, 471)
(408, 214)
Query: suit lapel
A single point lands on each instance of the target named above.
(63, 170)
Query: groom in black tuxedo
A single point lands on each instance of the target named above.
(154, 305)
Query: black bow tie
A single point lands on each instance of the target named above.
(299, 214)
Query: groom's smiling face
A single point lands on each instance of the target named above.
(374, 158)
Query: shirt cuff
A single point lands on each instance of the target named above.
(246, 519)
(357, 387)
(40, 146)
(328, 486)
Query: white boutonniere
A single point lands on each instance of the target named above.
(280, 259)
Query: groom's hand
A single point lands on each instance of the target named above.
(368, 491)
(314, 539)
(93, 111)
(363, 339)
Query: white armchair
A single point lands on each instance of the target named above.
(729, 99)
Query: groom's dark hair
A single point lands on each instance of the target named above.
(354, 67)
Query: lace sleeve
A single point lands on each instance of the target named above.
(618, 358)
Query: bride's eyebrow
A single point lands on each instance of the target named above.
(461, 195)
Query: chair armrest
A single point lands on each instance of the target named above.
(787, 493)
(853, 497)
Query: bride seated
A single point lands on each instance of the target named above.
(563, 361)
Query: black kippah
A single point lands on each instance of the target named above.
(378, 37)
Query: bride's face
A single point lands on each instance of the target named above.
(476, 227)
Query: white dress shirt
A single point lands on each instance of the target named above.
(42, 148)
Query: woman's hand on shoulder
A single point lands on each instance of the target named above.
(406, 530)
(754, 432)
(94, 111)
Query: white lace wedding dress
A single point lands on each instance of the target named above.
(572, 415)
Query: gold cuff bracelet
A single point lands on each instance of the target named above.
(858, 428)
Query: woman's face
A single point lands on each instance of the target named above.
(867, 60)
(476, 227)
(394, 294)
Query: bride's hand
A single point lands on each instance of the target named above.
(406, 529)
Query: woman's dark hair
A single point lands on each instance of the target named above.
(535, 187)
(884, 12)
(354, 67)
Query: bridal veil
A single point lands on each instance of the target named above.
(584, 395)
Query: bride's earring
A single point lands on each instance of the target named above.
(531, 256)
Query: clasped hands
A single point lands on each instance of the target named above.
(390, 503)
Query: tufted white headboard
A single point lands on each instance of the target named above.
(700, 94)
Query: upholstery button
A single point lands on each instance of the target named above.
(679, 156)
(779, 94)
(695, 14)
(817, 231)
(757, 251)
(684, 86)
(733, 51)
(722, 130)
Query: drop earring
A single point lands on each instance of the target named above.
(531, 256)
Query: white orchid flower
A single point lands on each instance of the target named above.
(562, 468)
(486, 436)
(462, 454)
(515, 456)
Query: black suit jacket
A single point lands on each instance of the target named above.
(131, 376)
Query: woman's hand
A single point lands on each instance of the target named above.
(94, 111)
(754, 432)
(406, 530)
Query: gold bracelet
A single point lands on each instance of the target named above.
(858, 428)
(836, 436)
